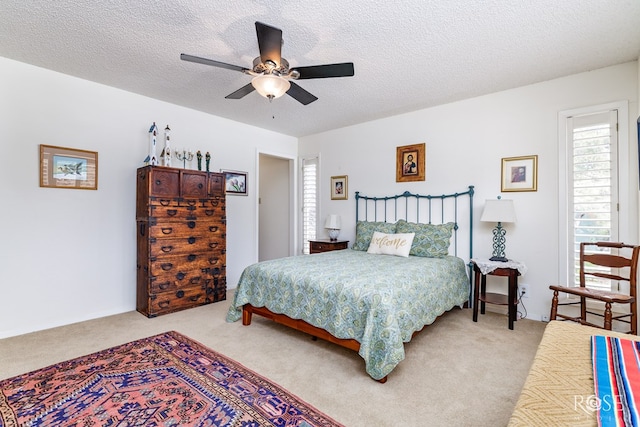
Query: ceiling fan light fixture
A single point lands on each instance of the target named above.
(272, 75)
(270, 86)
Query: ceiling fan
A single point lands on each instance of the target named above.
(272, 76)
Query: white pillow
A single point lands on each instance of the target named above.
(391, 244)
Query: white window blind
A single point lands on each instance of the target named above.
(309, 201)
(593, 185)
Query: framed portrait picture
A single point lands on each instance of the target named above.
(410, 160)
(62, 167)
(339, 188)
(520, 173)
(235, 182)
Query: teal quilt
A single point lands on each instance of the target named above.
(378, 300)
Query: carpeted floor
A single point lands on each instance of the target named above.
(456, 372)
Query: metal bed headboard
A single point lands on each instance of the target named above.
(419, 208)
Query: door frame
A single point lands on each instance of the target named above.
(293, 200)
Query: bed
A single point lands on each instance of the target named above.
(559, 389)
(367, 302)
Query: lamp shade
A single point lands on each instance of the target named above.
(333, 222)
(270, 86)
(498, 210)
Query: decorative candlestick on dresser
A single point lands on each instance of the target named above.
(184, 156)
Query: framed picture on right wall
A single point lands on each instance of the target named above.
(520, 173)
(339, 188)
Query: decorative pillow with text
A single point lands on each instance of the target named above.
(391, 244)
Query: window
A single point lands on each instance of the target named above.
(592, 156)
(309, 201)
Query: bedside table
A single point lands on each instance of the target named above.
(326, 245)
(510, 269)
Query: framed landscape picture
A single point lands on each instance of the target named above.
(235, 182)
(520, 173)
(62, 167)
(410, 161)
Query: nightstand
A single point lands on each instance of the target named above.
(510, 269)
(326, 245)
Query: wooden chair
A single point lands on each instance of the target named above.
(607, 265)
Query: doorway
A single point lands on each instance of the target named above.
(275, 207)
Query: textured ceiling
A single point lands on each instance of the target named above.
(408, 54)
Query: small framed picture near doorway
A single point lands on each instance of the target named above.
(235, 182)
(520, 173)
(410, 160)
(339, 187)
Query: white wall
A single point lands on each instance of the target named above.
(69, 255)
(465, 142)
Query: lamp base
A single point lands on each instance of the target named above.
(498, 259)
(333, 234)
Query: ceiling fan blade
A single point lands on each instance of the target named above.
(300, 95)
(211, 62)
(269, 43)
(344, 69)
(240, 93)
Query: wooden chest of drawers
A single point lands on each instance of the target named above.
(181, 239)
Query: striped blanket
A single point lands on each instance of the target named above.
(616, 375)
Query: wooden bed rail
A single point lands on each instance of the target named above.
(300, 325)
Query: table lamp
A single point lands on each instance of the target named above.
(499, 211)
(333, 226)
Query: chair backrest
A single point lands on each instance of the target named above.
(609, 260)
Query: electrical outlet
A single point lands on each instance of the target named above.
(545, 317)
(524, 290)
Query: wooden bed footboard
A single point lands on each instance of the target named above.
(297, 324)
(300, 325)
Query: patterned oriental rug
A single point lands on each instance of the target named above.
(164, 380)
